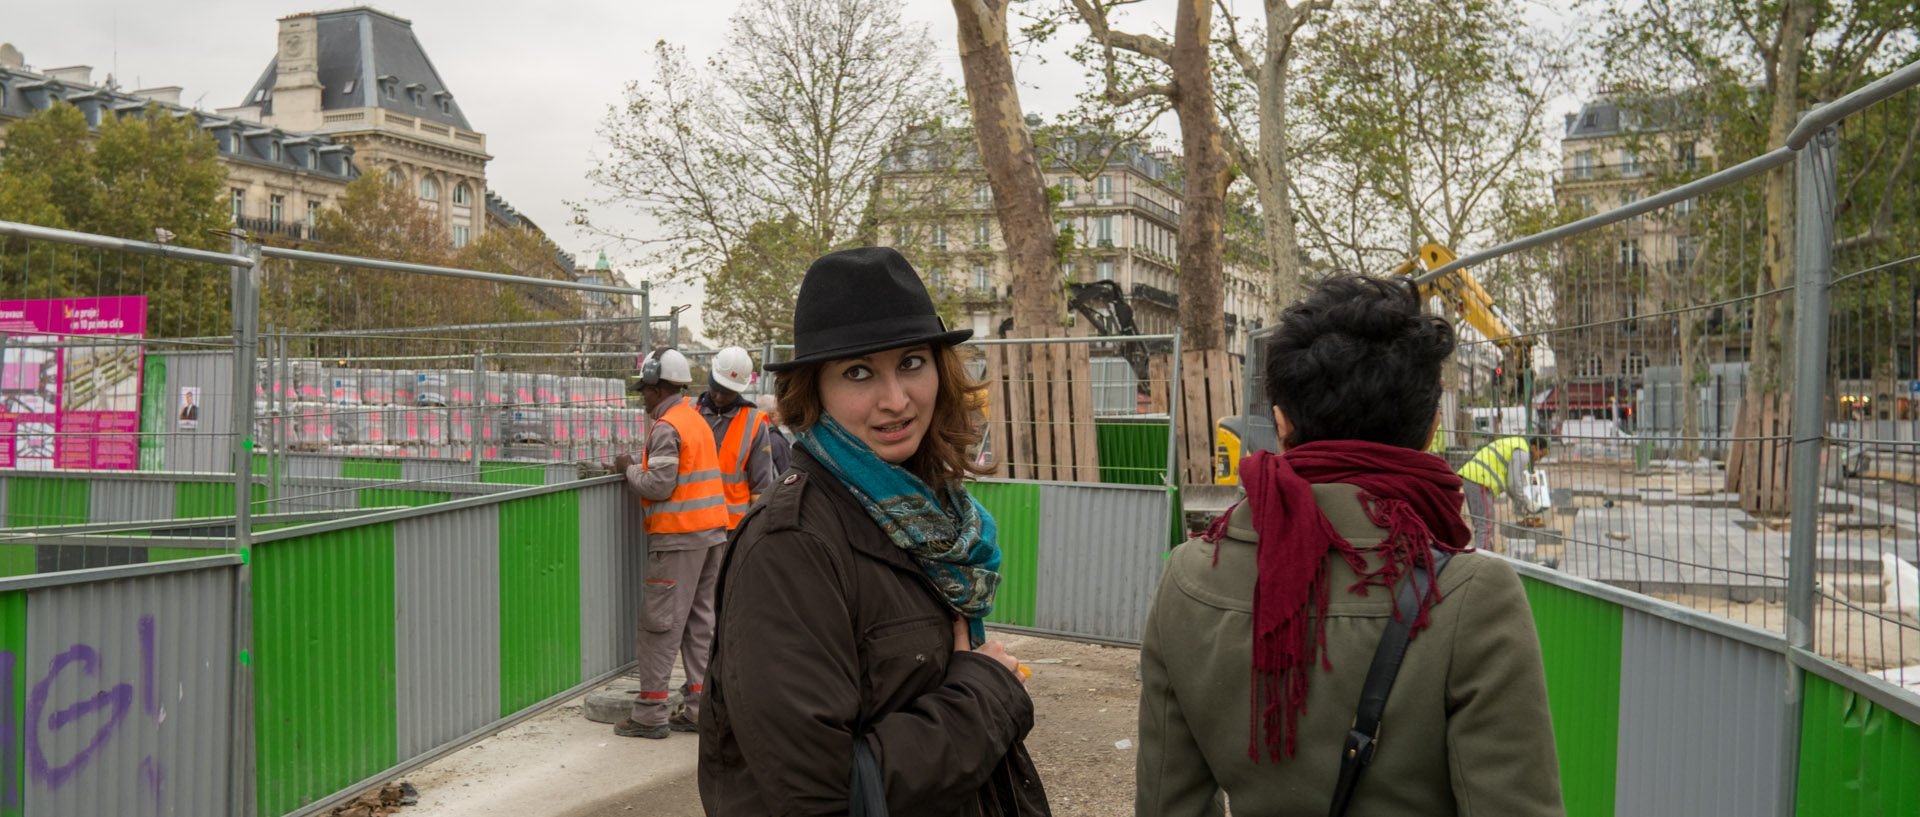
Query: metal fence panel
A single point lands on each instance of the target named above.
(1100, 558)
(1855, 757)
(128, 704)
(446, 587)
(1580, 648)
(1699, 721)
(539, 598)
(613, 563)
(209, 446)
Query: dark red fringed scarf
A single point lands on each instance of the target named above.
(1413, 494)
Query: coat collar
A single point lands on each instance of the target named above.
(863, 535)
(1338, 500)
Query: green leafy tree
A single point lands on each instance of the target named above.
(138, 175)
(789, 125)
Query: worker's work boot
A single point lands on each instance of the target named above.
(679, 722)
(626, 728)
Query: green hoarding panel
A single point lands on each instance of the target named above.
(1016, 512)
(539, 598)
(323, 664)
(1855, 756)
(370, 469)
(1580, 646)
(33, 501)
(13, 696)
(1132, 453)
(513, 473)
(193, 500)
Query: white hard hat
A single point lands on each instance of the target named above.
(733, 368)
(668, 366)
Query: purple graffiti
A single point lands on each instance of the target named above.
(149, 697)
(154, 775)
(10, 796)
(120, 697)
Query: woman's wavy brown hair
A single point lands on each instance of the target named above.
(942, 457)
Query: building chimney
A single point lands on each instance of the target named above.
(76, 74)
(296, 82)
(11, 57)
(166, 95)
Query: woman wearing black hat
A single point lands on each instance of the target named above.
(853, 594)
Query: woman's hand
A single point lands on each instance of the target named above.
(963, 642)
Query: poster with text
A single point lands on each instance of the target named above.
(70, 382)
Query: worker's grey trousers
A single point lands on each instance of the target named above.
(677, 616)
(1480, 507)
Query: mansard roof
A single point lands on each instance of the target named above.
(363, 53)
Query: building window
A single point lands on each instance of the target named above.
(1686, 207)
(980, 236)
(1104, 271)
(1066, 269)
(980, 280)
(1634, 364)
(233, 141)
(1066, 190)
(1583, 164)
(937, 279)
(462, 194)
(1103, 230)
(274, 151)
(1685, 249)
(901, 235)
(940, 236)
(313, 214)
(982, 195)
(1627, 198)
(1684, 154)
(1103, 187)
(461, 235)
(429, 189)
(1584, 202)
(276, 208)
(1629, 163)
(419, 96)
(313, 158)
(446, 105)
(1629, 252)
(392, 93)
(239, 204)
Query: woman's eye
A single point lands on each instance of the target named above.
(912, 362)
(857, 373)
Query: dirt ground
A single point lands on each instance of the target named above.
(558, 764)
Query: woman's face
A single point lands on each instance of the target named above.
(885, 399)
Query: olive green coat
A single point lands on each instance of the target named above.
(1466, 730)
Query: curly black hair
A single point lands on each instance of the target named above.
(1356, 360)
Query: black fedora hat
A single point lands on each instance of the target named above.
(860, 301)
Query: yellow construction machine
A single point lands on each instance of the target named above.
(1252, 429)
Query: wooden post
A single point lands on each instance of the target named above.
(1086, 446)
(997, 440)
(1065, 414)
(1020, 390)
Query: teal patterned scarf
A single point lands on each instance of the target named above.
(950, 537)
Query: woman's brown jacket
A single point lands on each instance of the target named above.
(827, 631)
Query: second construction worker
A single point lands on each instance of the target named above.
(678, 479)
(1499, 467)
(742, 432)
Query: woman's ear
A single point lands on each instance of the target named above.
(1282, 428)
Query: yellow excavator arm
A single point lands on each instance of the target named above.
(1466, 298)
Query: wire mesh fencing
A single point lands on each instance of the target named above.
(1721, 364)
(93, 341)
(1868, 588)
(378, 387)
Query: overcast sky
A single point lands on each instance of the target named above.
(536, 78)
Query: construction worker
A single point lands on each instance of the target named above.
(679, 484)
(1500, 467)
(742, 433)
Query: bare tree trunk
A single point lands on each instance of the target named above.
(1202, 274)
(1013, 167)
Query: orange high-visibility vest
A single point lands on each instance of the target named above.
(735, 450)
(698, 502)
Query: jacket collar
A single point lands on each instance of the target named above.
(863, 534)
(1338, 500)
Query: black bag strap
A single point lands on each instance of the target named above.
(866, 792)
(1363, 738)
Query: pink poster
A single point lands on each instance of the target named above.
(70, 383)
